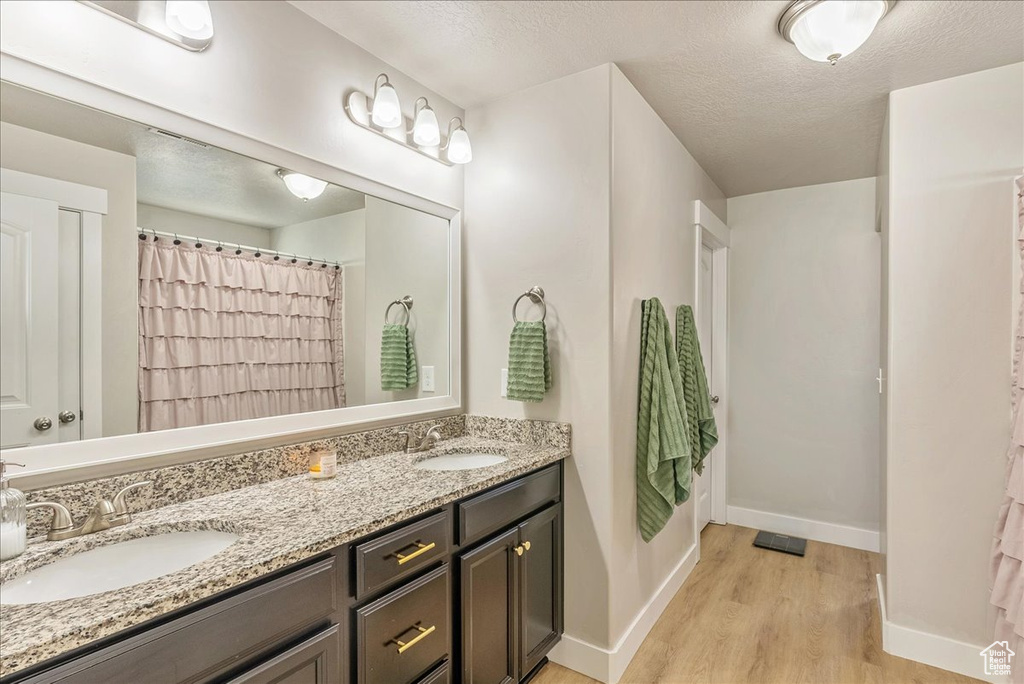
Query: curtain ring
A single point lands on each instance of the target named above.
(176, 240)
(238, 249)
(220, 247)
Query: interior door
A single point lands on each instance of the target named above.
(705, 332)
(28, 321)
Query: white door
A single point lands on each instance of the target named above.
(28, 321)
(705, 332)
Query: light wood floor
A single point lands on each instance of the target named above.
(751, 615)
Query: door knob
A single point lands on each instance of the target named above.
(714, 400)
(66, 416)
(42, 424)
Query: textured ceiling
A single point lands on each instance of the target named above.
(754, 113)
(175, 174)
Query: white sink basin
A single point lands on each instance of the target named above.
(460, 462)
(114, 567)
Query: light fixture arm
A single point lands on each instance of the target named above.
(377, 84)
(451, 130)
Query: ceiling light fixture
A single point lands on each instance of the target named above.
(189, 18)
(425, 131)
(458, 149)
(387, 110)
(302, 186)
(828, 30)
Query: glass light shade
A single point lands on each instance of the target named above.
(425, 131)
(459, 149)
(387, 111)
(835, 28)
(189, 18)
(302, 186)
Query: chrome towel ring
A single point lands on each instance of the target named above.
(406, 303)
(536, 295)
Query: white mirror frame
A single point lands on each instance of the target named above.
(70, 461)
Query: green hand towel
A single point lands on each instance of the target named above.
(397, 358)
(529, 366)
(703, 430)
(663, 474)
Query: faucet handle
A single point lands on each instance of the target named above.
(120, 505)
(61, 515)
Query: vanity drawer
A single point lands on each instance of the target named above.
(202, 644)
(383, 561)
(498, 508)
(402, 635)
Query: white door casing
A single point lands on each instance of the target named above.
(705, 332)
(28, 321)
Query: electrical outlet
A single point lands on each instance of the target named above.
(504, 382)
(428, 378)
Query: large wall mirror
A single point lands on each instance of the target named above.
(229, 289)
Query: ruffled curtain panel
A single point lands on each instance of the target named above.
(226, 337)
(1007, 573)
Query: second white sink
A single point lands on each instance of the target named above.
(115, 566)
(460, 461)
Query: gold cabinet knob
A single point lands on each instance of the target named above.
(519, 550)
(526, 545)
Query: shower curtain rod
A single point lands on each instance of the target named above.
(247, 248)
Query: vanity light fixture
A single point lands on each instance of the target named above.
(458, 149)
(425, 131)
(828, 30)
(189, 18)
(302, 186)
(387, 110)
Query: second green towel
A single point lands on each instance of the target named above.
(397, 358)
(703, 431)
(529, 365)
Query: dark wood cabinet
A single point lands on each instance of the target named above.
(540, 587)
(488, 611)
(314, 661)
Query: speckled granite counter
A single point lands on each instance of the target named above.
(280, 523)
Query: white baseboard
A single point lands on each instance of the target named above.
(829, 533)
(932, 649)
(608, 665)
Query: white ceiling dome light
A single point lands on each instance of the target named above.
(828, 30)
(302, 186)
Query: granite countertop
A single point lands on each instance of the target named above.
(280, 523)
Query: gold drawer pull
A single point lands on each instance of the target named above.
(421, 549)
(404, 646)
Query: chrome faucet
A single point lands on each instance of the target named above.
(430, 438)
(104, 515)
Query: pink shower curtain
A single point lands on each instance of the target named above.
(1008, 547)
(226, 337)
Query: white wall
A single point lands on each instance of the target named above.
(407, 254)
(547, 205)
(803, 353)
(152, 217)
(47, 155)
(340, 238)
(272, 73)
(955, 147)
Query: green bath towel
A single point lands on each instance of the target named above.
(529, 366)
(703, 432)
(663, 474)
(397, 358)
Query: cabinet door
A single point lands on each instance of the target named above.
(540, 587)
(314, 661)
(489, 605)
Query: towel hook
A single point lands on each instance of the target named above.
(406, 303)
(536, 295)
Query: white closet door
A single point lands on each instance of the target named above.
(28, 321)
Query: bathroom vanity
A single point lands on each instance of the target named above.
(462, 590)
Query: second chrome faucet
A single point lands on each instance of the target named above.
(414, 444)
(104, 515)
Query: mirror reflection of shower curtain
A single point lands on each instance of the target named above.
(225, 337)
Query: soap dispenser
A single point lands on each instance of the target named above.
(13, 533)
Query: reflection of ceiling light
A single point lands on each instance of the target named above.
(827, 30)
(387, 111)
(302, 186)
(458, 149)
(190, 18)
(425, 131)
